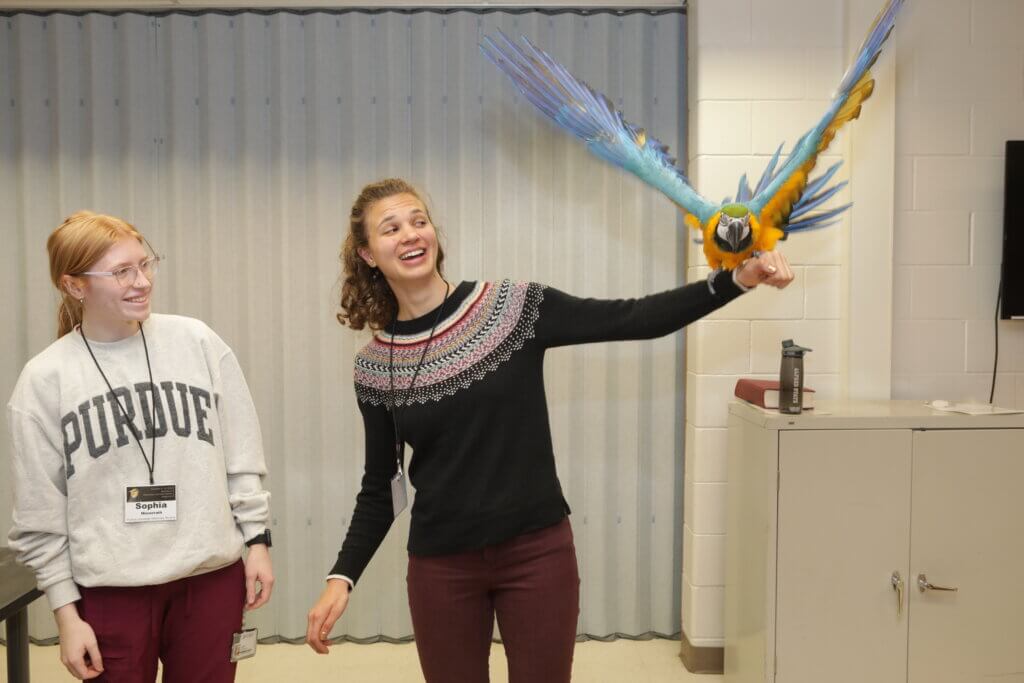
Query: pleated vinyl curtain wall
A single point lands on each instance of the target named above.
(237, 142)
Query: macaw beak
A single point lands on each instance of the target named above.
(734, 235)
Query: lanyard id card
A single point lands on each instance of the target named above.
(243, 644)
(399, 499)
(151, 503)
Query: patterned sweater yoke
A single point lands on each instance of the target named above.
(487, 324)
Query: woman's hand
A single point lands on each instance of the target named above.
(327, 610)
(258, 569)
(79, 652)
(770, 268)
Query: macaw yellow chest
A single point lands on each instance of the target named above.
(763, 238)
(727, 260)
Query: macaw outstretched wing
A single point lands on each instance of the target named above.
(814, 194)
(781, 198)
(589, 115)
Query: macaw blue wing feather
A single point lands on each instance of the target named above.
(776, 201)
(769, 172)
(810, 201)
(785, 199)
(590, 116)
(872, 46)
(818, 220)
(814, 195)
(816, 184)
(743, 192)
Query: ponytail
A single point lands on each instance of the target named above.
(69, 314)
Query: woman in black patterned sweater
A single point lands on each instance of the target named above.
(456, 372)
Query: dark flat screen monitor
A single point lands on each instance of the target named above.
(1013, 233)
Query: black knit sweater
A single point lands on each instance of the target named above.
(476, 418)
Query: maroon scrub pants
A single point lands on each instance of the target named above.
(530, 583)
(187, 624)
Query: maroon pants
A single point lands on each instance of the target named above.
(187, 624)
(530, 582)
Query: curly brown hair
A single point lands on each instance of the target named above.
(366, 297)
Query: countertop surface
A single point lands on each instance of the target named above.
(863, 414)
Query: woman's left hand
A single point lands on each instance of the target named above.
(770, 268)
(258, 569)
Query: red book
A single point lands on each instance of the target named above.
(765, 393)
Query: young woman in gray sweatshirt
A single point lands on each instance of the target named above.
(138, 468)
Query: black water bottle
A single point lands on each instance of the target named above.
(791, 378)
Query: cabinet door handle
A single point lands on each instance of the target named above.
(897, 585)
(923, 585)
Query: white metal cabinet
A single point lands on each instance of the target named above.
(826, 507)
(968, 531)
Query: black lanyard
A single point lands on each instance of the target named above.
(151, 461)
(391, 374)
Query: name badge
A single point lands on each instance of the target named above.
(151, 503)
(243, 644)
(399, 499)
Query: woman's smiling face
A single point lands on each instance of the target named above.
(402, 241)
(108, 304)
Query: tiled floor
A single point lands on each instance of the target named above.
(622, 661)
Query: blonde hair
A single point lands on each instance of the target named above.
(79, 242)
(366, 296)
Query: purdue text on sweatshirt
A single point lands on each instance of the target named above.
(75, 456)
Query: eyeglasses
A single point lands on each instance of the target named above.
(127, 275)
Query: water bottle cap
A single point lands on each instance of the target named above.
(791, 350)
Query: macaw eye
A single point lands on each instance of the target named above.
(723, 220)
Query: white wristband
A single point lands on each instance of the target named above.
(350, 582)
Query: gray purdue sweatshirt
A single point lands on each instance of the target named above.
(75, 456)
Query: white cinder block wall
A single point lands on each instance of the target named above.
(960, 96)
(761, 72)
(749, 92)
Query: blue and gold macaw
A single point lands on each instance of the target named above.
(785, 196)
